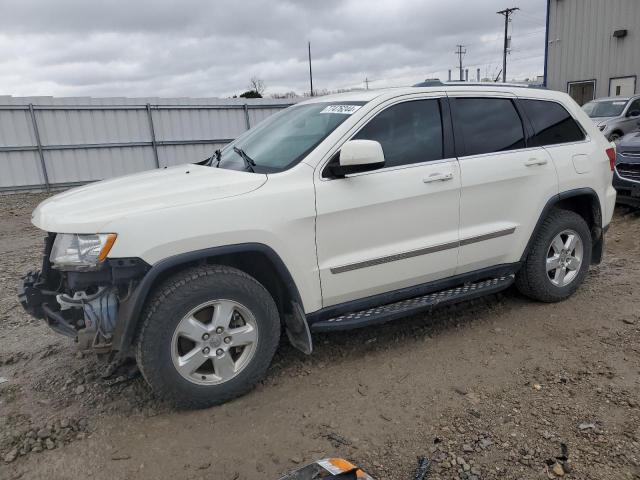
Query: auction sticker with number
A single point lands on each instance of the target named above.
(343, 109)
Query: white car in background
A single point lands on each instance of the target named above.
(339, 212)
(615, 116)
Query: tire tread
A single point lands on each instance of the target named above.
(529, 281)
(176, 289)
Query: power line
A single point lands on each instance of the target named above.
(531, 18)
(460, 53)
(507, 12)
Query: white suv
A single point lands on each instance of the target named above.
(339, 212)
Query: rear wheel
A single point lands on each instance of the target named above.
(208, 335)
(559, 258)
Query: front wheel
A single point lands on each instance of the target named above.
(208, 335)
(559, 258)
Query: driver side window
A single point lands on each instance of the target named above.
(409, 132)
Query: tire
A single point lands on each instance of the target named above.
(534, 280)
(166, 354)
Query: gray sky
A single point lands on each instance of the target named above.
(212, 48)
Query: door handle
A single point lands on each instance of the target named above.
(535, 161)
(438, 177)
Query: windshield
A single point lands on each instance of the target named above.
(605, 108)
(283, 139)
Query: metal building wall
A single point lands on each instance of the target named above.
(581, 45)
(48, 142)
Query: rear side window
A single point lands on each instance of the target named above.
(409, 132)
(551, 123)
(488, 125)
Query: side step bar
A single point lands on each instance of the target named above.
(403, 308)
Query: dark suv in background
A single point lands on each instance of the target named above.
(626, 177)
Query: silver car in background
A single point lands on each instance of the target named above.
(615, 116)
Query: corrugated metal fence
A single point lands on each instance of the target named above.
(48, 142)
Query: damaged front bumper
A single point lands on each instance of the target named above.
(81, 305)
(38, 300)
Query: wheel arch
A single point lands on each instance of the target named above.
(618, 131)
(586, 203)
(256, 259)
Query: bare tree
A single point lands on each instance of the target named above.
(257, 85)
(290, 94)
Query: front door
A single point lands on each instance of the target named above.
(631, 122)
(397, 226)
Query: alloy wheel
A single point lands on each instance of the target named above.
(564, 258)
(214, 342)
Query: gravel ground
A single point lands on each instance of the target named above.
(497, 388)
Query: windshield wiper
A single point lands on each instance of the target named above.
(247, 159)
(218, 156)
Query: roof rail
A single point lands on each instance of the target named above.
(434, 82)
(429, 82)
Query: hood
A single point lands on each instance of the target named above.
(630, 142)
(601, 120)
(628, 149)
(90, 208)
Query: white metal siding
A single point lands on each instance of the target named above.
(87, 139)
(581, 43)
(19, 168)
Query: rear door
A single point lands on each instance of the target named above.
(505, 183)
(397, 226)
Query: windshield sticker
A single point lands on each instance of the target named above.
(619, 103)
(343, 109)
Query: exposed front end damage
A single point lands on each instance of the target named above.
(83, 305)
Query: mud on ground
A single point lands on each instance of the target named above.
(498, 388)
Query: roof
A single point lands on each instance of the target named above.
(368, 95)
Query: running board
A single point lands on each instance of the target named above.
(403, 308)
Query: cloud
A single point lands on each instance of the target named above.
(212, 48)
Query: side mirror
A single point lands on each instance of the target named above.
(356, 156)
(633, 113)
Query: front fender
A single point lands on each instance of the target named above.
(131, 307)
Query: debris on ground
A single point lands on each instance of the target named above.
(456, 385)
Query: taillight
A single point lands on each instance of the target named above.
(611, 153)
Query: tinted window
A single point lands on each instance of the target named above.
(551, 123)
(489, 125)
(409, 132)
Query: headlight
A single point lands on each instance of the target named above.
(80, 251)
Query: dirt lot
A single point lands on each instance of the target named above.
(492, 389)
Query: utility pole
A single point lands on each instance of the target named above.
(460, 52)
(507, 12)
(310, 72)
(366, 82)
